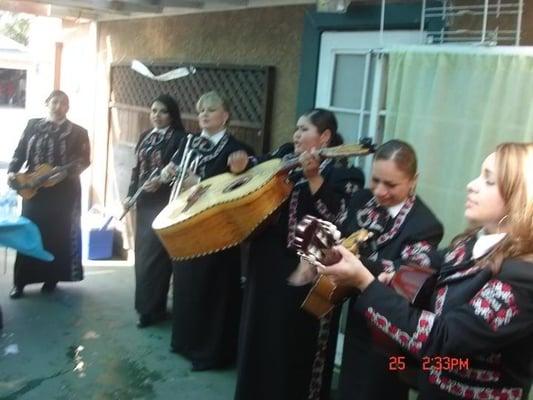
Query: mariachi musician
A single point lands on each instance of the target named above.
(207, 293)
(278, 341)
(153, 266)
(474, 339)
(405, 232)
(56, 210)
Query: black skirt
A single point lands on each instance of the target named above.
(206, 309)
(153, 266)
(278, 340)
(56, 212)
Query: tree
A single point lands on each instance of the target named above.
(15, 26)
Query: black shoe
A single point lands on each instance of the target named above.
(200, 366)
(48, 287)
(144, 321)
(16, 292)
(151, 319)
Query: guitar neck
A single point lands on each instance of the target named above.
(342, 151)
(65, 167)
(57, 170)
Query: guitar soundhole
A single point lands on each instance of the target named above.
(237, 183)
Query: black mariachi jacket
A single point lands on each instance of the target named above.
(153, 151)
(409, 237)
(213, 158)
(476, 342)
(46, 142)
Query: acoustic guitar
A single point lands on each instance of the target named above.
(222, 211)
(314, 241)
(27, 184)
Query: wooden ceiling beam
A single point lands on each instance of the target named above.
(183, 3)
(28, 7)
(106, 6)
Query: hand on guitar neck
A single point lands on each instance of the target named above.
(151, 184)
(238, 161)
(346, 269)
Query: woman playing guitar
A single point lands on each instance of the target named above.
(154, 151)
(474, 342)
(405, 231)
(278, 340)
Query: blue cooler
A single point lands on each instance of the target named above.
(100, 244)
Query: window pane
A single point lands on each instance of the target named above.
(348, 125)
(348, 77)
(371, 73)
(12, 87)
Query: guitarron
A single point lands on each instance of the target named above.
(222, 211)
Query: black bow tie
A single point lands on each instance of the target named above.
(202, 143)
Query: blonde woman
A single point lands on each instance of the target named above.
(207, 293)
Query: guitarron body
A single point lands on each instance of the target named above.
(222, 211)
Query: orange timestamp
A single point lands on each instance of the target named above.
(440, 363)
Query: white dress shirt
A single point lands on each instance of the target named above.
(215, 138)
(485, 242)
(394, 210)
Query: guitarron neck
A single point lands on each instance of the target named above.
(342, 151)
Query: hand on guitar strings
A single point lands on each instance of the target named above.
(238, 161)
(126, 204)
(168, 172)
(151, 185)
(310, 162)
(304, 273)
(349, 271)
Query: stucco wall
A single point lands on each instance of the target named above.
(262, 36)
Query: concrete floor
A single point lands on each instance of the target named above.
(81, 342)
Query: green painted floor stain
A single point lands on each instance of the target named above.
(126, 379)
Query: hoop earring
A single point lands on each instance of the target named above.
(500, 222)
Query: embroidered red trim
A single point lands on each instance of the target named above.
(495, 303)
(412, 343)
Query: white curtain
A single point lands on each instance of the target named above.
(454, 107)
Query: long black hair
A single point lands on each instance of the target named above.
(174, 111)
(323, 120)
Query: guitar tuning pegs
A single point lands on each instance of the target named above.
(367, 143)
